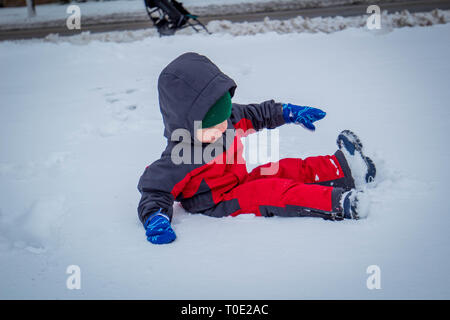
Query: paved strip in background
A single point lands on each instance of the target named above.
(343, 10)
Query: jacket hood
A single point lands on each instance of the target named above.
(187, 88)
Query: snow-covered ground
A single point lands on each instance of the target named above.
(79, 123)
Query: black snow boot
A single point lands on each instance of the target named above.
(362, 167)
(354, 204)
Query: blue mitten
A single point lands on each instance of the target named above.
(158, 228)
(302, 115)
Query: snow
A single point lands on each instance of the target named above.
(297, 24)
(79, 123)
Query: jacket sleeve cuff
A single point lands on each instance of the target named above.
(279, 118)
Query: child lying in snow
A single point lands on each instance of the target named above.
(193, 91)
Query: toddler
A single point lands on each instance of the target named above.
(200, 119)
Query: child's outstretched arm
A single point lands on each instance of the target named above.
(159, 188)
(271, 114)
(155, 212)
(254, 117)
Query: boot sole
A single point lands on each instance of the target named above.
(349, 140)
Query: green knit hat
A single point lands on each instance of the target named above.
(219, 112)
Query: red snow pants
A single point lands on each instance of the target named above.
(297, 187)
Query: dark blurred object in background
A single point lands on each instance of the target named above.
(168, 16)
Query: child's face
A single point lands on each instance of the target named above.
(209, 135)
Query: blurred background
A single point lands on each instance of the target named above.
(20, 19)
